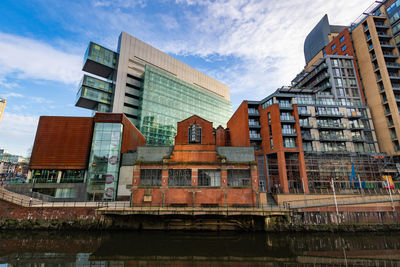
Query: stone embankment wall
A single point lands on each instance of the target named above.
(16, 217)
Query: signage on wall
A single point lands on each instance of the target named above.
(109, 178)
(109, 192)
(113, 160)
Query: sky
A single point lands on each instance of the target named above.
(253, 46)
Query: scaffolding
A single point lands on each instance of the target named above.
(369, 169)
(322, 167)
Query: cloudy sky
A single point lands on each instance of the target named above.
(254, 46)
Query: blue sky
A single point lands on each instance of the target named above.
(254, 46)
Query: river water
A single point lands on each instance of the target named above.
(98, 249)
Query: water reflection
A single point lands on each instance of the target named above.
(48, 249)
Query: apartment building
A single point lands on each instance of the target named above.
(153, 89)
(2, 107)
(375, 38)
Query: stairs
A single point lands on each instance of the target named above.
(271, 201)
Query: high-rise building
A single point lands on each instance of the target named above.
(2, 107)
(376, 38)
(153, 89)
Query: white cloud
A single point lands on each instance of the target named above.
(10, 95)
(34, 59)
(267, 36)
(17, 132)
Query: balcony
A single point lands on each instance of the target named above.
(308, 137)
(333, 149)
(312, 74)
(330, 114)
(304, 102)
(390, 55)
(396, 86)
(325, 86)
(392, 65)
(333, 138)
(304, 113)
(336, 126)
(254, 125)
(387, 45)
(354, 114)
(253, 112)
(380, 25)
(99, 60)
(288, 119)
(394, 76)
(285, 106)
(255, 137)
(305, 125)
(384, 35)
(289, 132)
(358, 139)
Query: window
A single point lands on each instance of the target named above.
(271, 142)
(343, 48)
(335, 62)
(239, 178)
(178, 177)
(341, 39)
(150, 178)
(333, 47)
(336, 72)
(269, 117)
(335, 54)
(209, 178)
(289, 142)
(194, 133)
(338, 82)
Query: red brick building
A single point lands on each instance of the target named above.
(200, 170)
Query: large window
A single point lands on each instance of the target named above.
(44, 176)
(194, 133)
(150, 178)
(239, 178)
(178, 177)
(209, 178)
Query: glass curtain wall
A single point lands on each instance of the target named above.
(104, 161)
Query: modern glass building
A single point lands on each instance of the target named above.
(151, 88)
(166, 99)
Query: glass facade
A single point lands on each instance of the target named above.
(167, 100)
(104, 161)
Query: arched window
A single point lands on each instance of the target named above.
(194, 134)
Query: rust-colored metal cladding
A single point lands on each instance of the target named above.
(62, 143)
(131, 137)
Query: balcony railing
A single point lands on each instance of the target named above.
(287, 118)
(354, 114)
(332, 125)
(330, 113)
(306, 125)
(333, 137)
(288, 131)
(358, 139)
(304, 113)
(308, 136)
(255, 136)
(285, 106)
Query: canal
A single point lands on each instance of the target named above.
(51, 249)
